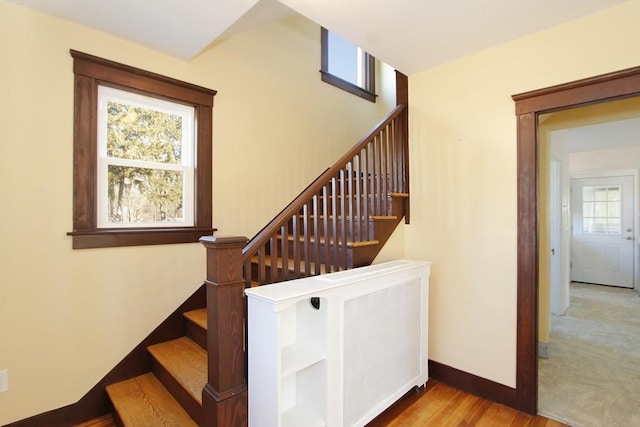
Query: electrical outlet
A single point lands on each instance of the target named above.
(4, 381)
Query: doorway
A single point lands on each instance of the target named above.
(529, 105)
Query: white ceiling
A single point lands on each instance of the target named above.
(602, 136)
(409, 35)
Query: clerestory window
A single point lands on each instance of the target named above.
(142, 157)
(347, 66)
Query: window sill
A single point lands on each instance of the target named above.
(347, 86)
(137, 237)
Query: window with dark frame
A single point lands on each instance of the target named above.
(346, 66)
(135, 184)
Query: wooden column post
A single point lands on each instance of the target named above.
(224, 398)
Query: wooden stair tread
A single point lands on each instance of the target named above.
(143, 401)
(399, 195)
(384, 217)
(199, 317)
(362, 243)
(186, 361)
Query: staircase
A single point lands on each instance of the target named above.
(340, 221)
(171, 394)
(344, 217)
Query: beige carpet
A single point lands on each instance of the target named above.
(592, 376)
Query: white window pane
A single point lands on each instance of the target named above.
(343, 58)
(614, 210)
(139, 133)
(600, 194)
(139, 195)
(587, 194)
(588, 209)
(587, 225)
(601, 210)
(613, 194)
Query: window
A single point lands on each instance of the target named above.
(601, 210)
(142, 157)
(346, 66)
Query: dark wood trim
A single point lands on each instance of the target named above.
(402, 98)
(104, 69)
(620, 84)
(137, 237)
(90, 72)
(96, 402)
(607, 87)
(472, 383)
(347, 86)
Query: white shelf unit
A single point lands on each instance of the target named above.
(345, 358)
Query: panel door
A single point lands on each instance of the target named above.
(602, 231)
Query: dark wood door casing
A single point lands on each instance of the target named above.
(529, 105)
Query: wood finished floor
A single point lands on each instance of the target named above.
(440, 405)
(437, 405)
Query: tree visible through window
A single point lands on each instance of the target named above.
(142, 157)
(145, 168)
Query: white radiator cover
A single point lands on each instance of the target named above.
(345, 361)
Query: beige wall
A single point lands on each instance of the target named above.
(463, 179)
(67, 317)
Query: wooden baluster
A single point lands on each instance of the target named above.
(316, 238)
(307, 248)
(224, 397)
(344, 199)
(383, 170)
(262, 269)
(284, 250)
(365, 195)
(273, 255)
(378, 174)
(295, 230)
(326, 231)
(335, 197)
(352, 198)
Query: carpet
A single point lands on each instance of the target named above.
(592, 375)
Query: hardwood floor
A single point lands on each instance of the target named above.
(437, 405)
(440, 405)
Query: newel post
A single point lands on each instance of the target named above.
(224, 397)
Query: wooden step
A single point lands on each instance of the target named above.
(103, 421)
(143, 401)
(181, 366)
(196, 326)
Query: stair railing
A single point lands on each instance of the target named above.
(313, 233)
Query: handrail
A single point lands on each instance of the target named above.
(313, 233)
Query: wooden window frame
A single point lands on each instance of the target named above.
(90, 72)
(368, 92)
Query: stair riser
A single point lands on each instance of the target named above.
(193, 407)
(196, 333)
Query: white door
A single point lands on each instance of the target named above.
(559, 279)
(602, 236)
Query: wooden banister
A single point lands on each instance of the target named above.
(310, 236)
